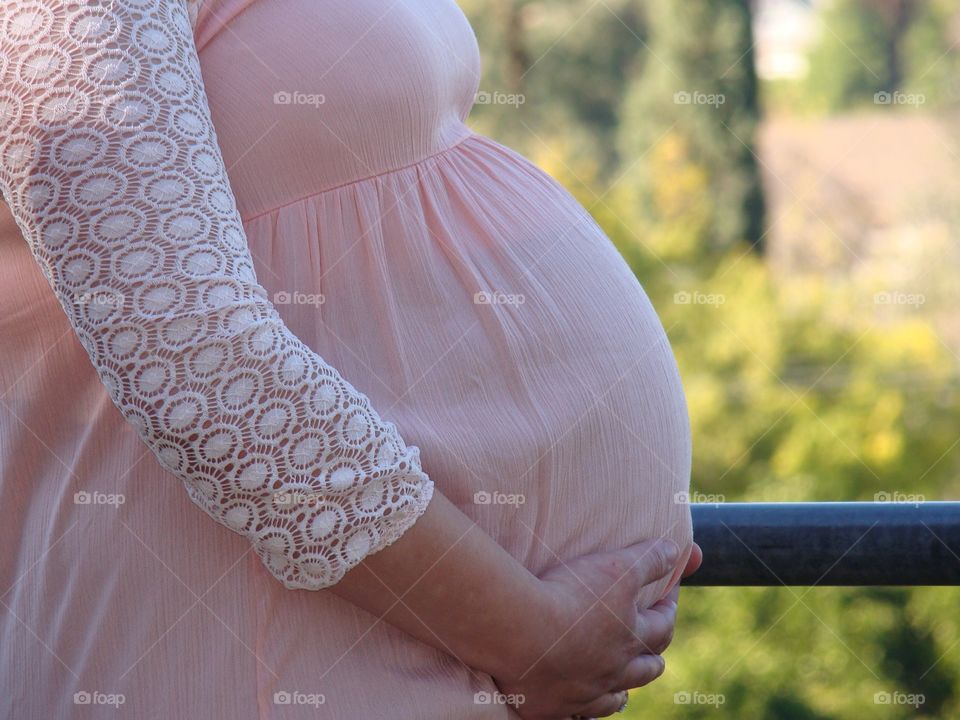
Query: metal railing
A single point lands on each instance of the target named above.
(823, 544)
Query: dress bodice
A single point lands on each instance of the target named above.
(380, 88)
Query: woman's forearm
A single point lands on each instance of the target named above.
(449, 584)
(568, 642)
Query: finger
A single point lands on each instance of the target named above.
(603, 706)
(694, 561)
(654, 628)
(651, 560)
(664, 606)
(640, 671)
(671, 598)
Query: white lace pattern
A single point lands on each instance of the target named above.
(110, 164)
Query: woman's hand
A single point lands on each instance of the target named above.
(600, 642)
(568, 640)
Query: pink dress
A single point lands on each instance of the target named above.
(215, 345)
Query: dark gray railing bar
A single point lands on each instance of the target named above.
(833, 543)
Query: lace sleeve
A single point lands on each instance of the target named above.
(110, 164)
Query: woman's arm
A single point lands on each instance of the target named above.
(110, 164)
(567, 641)
(451, 585)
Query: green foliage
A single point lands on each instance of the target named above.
(851, 62)
(570, 62)
(931, 57)
(691, 116)
(867, 47)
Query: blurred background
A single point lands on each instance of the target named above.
(784, 178)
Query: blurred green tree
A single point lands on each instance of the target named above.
(688, 129)
(569, 61)
(870, 49)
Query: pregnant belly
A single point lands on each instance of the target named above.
(581, 436)
(583, 422)
(487, 315)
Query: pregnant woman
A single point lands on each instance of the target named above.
(277, 249)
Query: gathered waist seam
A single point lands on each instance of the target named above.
(469, 136)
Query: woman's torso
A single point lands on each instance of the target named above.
(464, 291)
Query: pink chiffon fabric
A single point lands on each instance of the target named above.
(475, 302)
